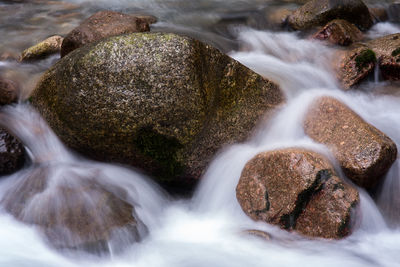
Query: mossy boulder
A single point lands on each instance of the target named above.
(364, 153)
(319, 12)
(51, 45)
(161, 102)
(299, 190)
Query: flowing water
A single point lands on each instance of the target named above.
(206, 230)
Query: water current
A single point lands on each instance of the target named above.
(207, 229)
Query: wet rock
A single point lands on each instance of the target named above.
(161, 102)
(12, 155)
(394, 12)
(387, 50)
(283, 187)
(72, 212)
(355, 65)
(260, 234)
(339, 32)
(358, 63)
(319, 12)
(364, 153)
(101, 25)
(8, 91)
(51, 45)
(378, 14)
(149, 19)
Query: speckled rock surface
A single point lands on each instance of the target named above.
(355, 65)
(339, 32)
(12, 155)
(387, 51)
(364, 153)
(161, 102)
(284, 186)
(45, 48)
(8, 91)
(101, 25)
(319, 12)
(65, 217)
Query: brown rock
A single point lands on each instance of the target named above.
(355, 65)
(339, 32)
(101, 25)
(8, 92)
(319, 12)
(364, 153)
(43, 49)
(277, 187)
(11, 153)
(387, 51)
(63, 213)
(277, 17)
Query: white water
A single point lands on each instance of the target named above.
(207, 229)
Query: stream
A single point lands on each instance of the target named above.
(207, 229)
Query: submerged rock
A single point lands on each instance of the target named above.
(45, 48)
(72, 212)
(8, 91)
(101, 25)
(287, 187)
(319, 12)
(339, 32)
(162, 102)
(12, 155)
(364, 153)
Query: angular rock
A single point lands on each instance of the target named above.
(284, 186)
(51, 45)
(319, 12)
(355, 65)
(8, 92)
(339, 32)
(72, 212)
(359, 62)
(101, 25)
(12, 155)
(161, 102)
(364, 153)
(387, 50)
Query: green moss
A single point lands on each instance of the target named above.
(364, 58)
(160, 148)
(396, 52)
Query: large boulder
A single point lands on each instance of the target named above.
(43, 49)
(364, 153)
(297, 189)
(101, 25)
(339, 32)
(71, 211)
(319, 12)
(12, 156)
(162, 102)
